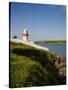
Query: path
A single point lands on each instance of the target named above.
(30, 43)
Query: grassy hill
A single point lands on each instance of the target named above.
(32, 67)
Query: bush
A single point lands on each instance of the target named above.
(25, 72)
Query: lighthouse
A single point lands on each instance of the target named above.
(25, 35)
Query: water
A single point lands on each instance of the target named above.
(58, 49)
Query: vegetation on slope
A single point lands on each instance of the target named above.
(32, 67)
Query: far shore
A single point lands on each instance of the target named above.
(52, 42)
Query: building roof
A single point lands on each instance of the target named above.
(25, 32)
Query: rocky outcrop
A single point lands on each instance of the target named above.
(60, 64)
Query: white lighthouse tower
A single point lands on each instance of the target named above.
(25, 35)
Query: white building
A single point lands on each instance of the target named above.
(25, 35)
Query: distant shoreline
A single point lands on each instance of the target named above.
(52, 42)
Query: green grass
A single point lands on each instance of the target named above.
(32, 67)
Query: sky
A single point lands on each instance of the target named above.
(43, 21)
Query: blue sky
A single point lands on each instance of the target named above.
(43, 22)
